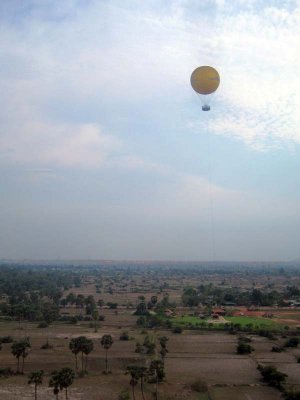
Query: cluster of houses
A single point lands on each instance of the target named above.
(217, 312)
(292, 303)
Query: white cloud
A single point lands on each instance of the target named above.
(133, 162)
(75, 77)
(187, 199)
(70, 145)
(191, 205)
(64, 145)
(131, 55)
(260, 91)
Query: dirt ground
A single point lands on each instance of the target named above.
(192, 355)
(245, 393)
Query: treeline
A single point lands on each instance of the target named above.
(34, 294)
(15, 281)
(118, 270)
(209, 294)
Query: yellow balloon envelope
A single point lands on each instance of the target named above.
(205, 80)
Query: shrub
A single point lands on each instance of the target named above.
(199, 386)
(292, 396)
(112, 305)
(46, 346)
(244, 348)
(149, 345)
(6, 339)
(124, 336)
(177, 329)
(6, 372)
(150, 321)
(150, 348)
(43, 324)
(266, 333)
(65, 318)
(168, 324)
(272, 376)
(141, 309)
(277, 349)
(292, 342)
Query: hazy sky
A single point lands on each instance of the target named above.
(105, 152)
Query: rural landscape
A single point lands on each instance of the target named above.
(129, 330)
(149, 200)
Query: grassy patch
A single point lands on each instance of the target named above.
(259, 323)
(243, 321)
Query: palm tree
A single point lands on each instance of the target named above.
(134, 378)
(16, 350)
(87, 348)
(20, 349)
(56, 391)
(73, 346)
(61, 379)
(36, 378)
(156, 370)
(142, 374)
(106, 342)
(25, 352)
(81, 344)
(137, 372)
(54, 382)
(95, 316)
(66, 378)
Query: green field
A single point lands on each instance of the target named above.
(260, 323)
(256, 322)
